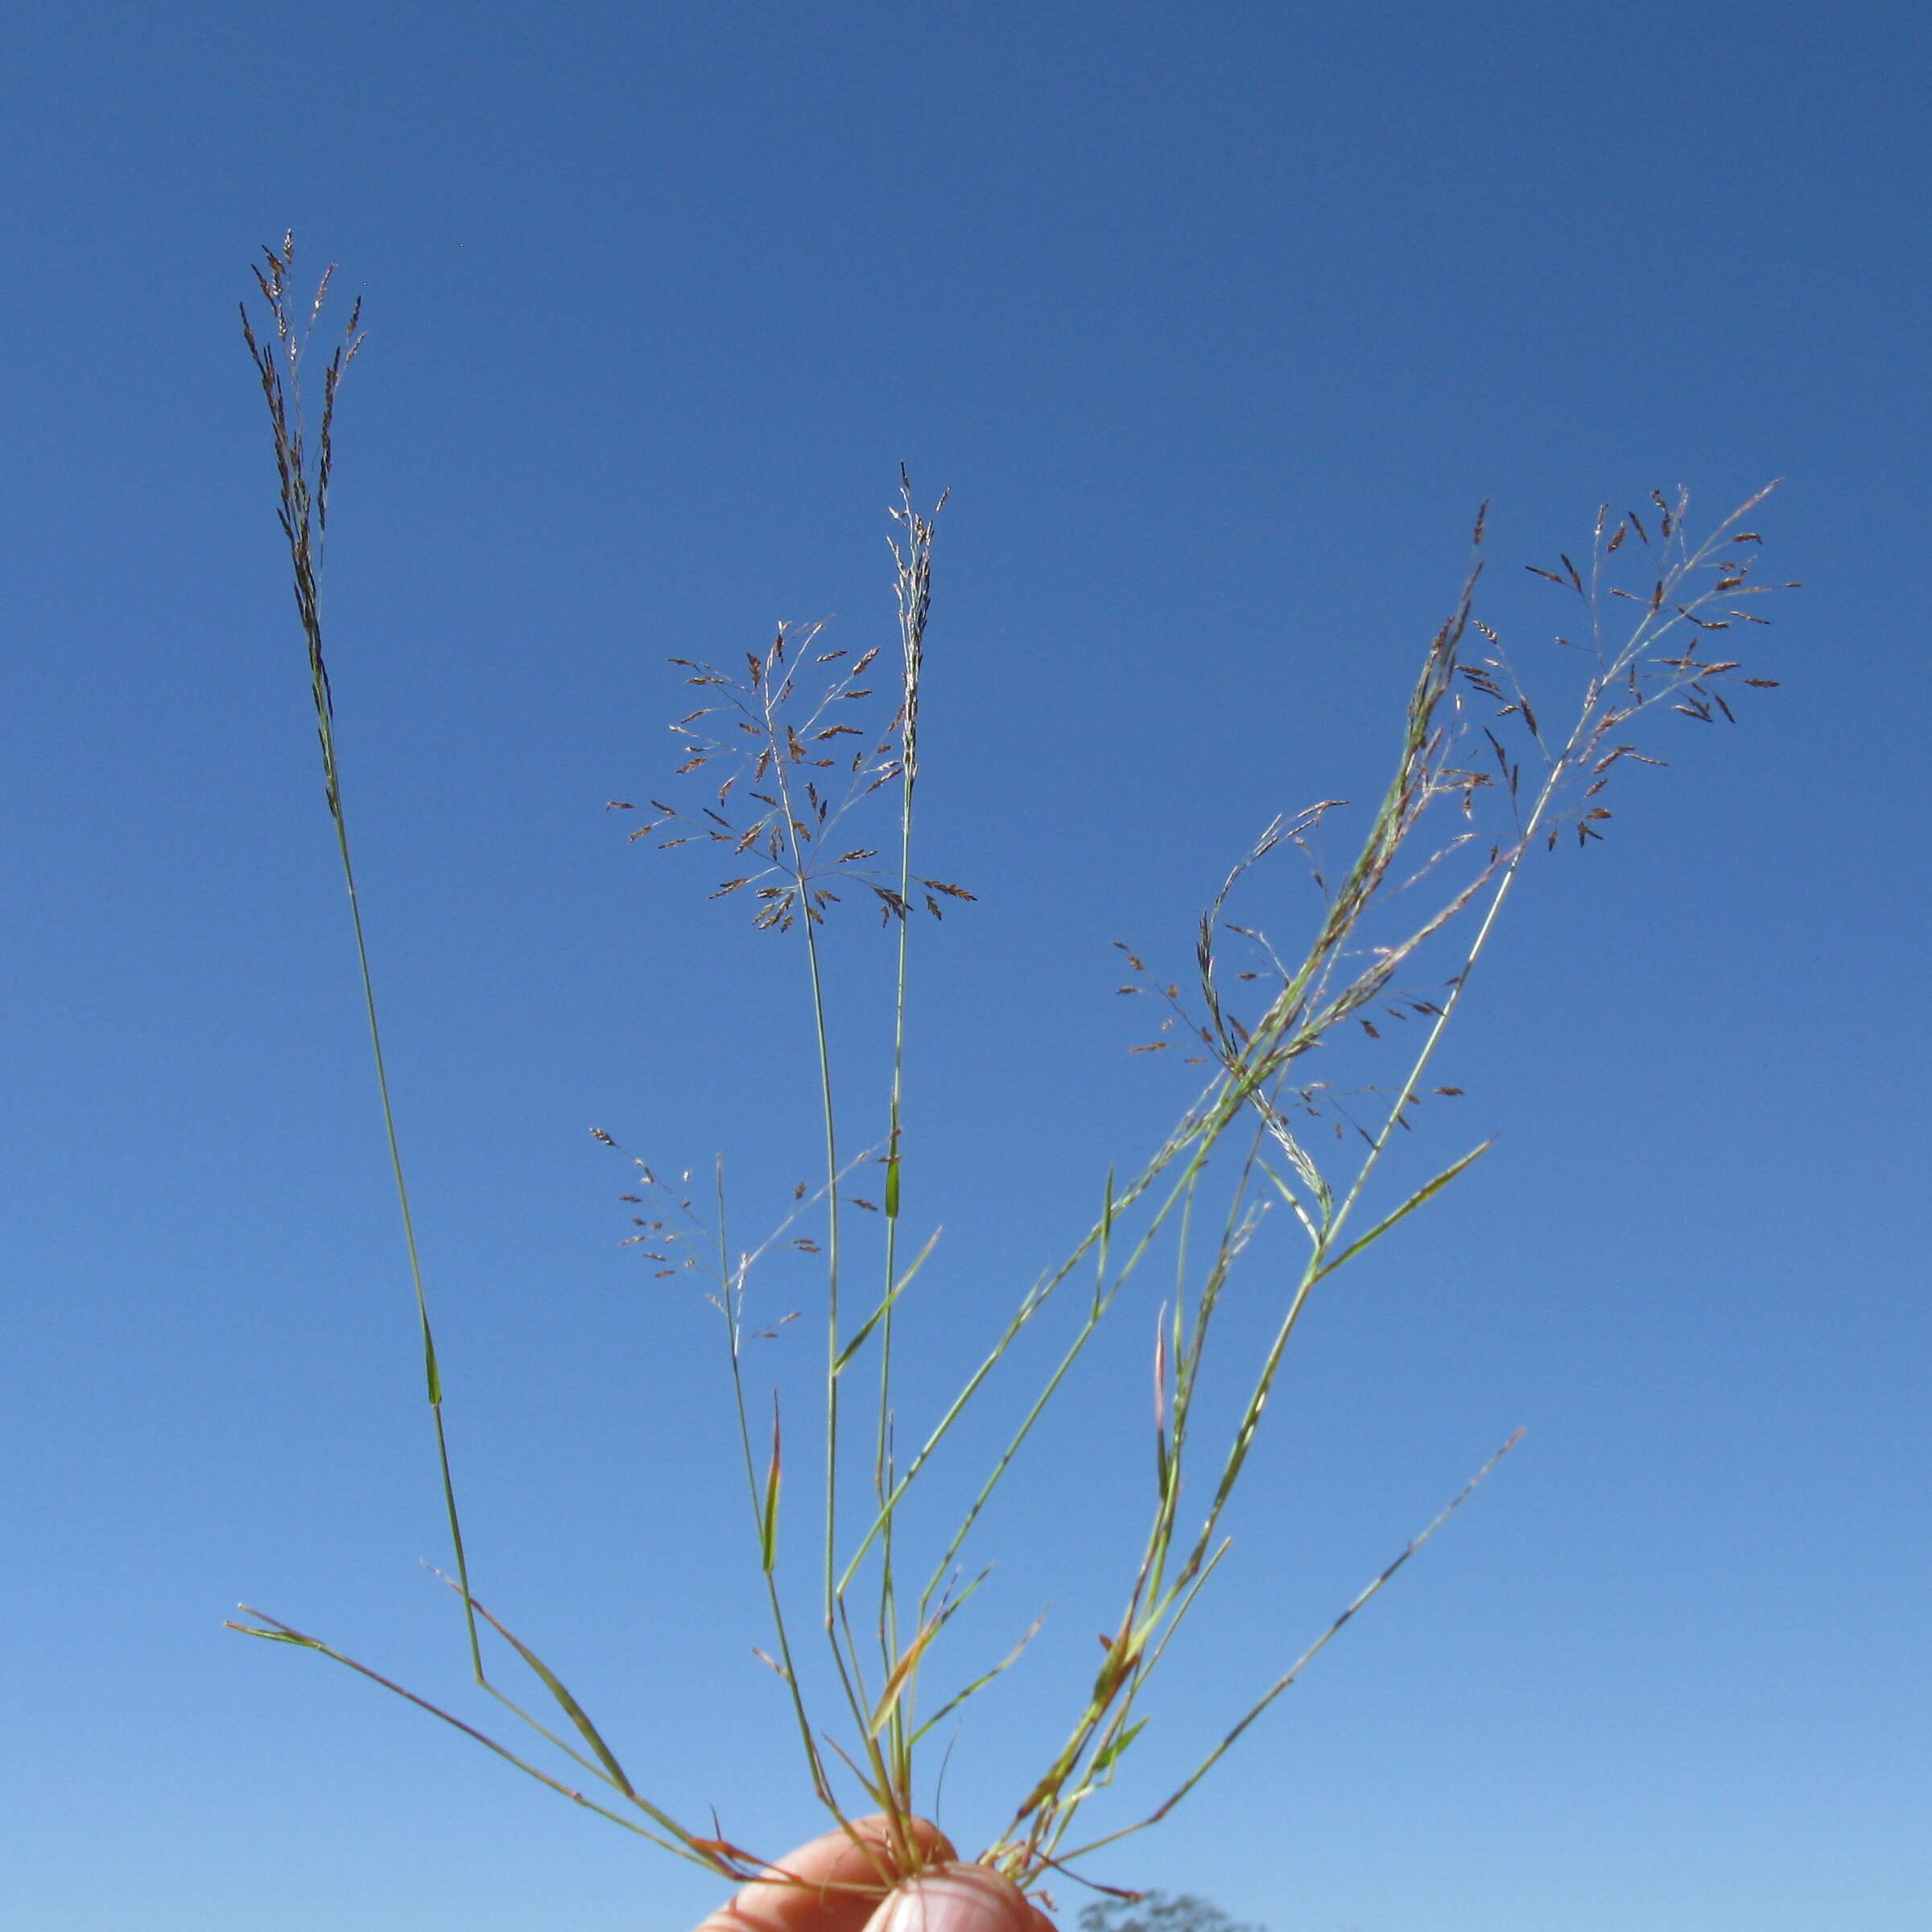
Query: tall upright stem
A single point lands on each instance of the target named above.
(304, 519)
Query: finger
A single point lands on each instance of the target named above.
(958, 1898)
(832, 1885)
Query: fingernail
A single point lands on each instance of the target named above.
(948, 1902)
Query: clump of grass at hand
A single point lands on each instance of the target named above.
(786, 790)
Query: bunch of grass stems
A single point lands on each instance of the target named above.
(780, 732)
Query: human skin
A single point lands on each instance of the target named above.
(840, 1883)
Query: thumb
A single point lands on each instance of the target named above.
(957, 1898)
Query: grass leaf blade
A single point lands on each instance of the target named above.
(1408, 1207)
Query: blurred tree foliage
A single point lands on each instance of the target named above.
(1158, 1912)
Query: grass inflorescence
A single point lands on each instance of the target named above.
(791, 760)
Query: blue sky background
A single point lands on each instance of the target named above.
(1219, 323)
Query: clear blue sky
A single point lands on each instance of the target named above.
(1218, 322)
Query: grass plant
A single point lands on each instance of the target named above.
(788, 767)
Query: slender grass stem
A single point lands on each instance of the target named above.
(730, 1299)
(795, 835)
(913, 586)
(832, 1272)
(303, 515)
(431, 1372)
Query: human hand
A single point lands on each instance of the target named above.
(835, 1884)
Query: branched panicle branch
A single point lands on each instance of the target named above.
(303, 510)
(778, 733)
(1454, 753)
(913, 584)
(788, 784)
(1662, 658)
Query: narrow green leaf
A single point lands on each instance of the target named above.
(1301, 1663)
(680, 1842)
(1106, 1759)
(980, 1682)
(571, 1709)
(878, 1314)
(768, 1529)
(1311, 1175)
(904, 1670)
(1414, 1201)
(1162, 1461)
(277, 1637)
(892, 1188)
(901, 1675)
(1294, 1200)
